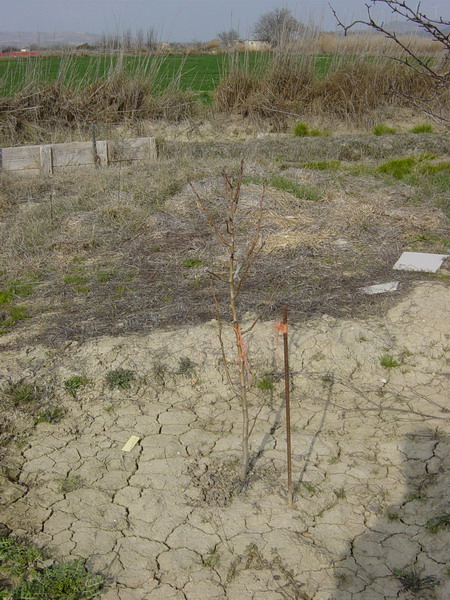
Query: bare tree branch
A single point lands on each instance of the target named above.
(209, 217)
(438, 78)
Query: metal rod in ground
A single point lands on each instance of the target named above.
(51, 207)
(94, 146)
(287, 399)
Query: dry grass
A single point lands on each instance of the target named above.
(372, 44)
(39, 108)
(125, 249)
(234, 90)
(351, 89)
(360, 80)
(287, 87)
(358, 88)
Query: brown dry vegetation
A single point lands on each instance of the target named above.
(361, 43)
(360, 82)
(41, 108)
(125, 249)
(289, 88)
(349, 91)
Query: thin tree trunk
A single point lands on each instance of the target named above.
(241, 356)
(287, 399)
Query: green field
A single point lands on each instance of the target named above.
(200, 73)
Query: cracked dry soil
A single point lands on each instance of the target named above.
(167, 520)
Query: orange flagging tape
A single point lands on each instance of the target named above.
(280, 327)
(242, 347)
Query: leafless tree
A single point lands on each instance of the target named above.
(151, 39)
(277, 26)
(111, 41)
(242, 253)
(228, 38)
(127, 40)
(436, 29)
(139, 39)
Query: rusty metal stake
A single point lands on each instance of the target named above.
(287, 399)
(94, 147)
(51, 208)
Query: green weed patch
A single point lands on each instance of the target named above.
(383, 130)
(300, 191)
(24, 579)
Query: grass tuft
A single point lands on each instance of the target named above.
(413, 582)
(75, 383)
(389, 362)
(398, 167)
(11, 316)
(319, 133)
(186, 366)
(265, 383)
(433, 168)
(52, 414)
(300, 191)
(119, 378)
(192, 262)
(22, 393)
(15, 288)
(6, 296)
(422, 128)
(381, 129)
(70, 484)
(340, 493)
(235, 89)
(435, 524)
(301, 130)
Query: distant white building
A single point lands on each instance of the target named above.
(256, 45)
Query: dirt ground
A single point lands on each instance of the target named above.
(110, 269)
(168, 520)
(125, 250)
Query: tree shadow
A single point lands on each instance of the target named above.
(404, 555)
(328, 380)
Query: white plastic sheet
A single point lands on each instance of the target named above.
(380, 288)
(419, 261)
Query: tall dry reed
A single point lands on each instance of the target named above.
(358, 74)
(104, 95)
(346, 86)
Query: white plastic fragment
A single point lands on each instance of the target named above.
(380, 288)
(419, 261)
(131, 443)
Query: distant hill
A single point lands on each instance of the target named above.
(25, 39)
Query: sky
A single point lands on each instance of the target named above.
(178, 20)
